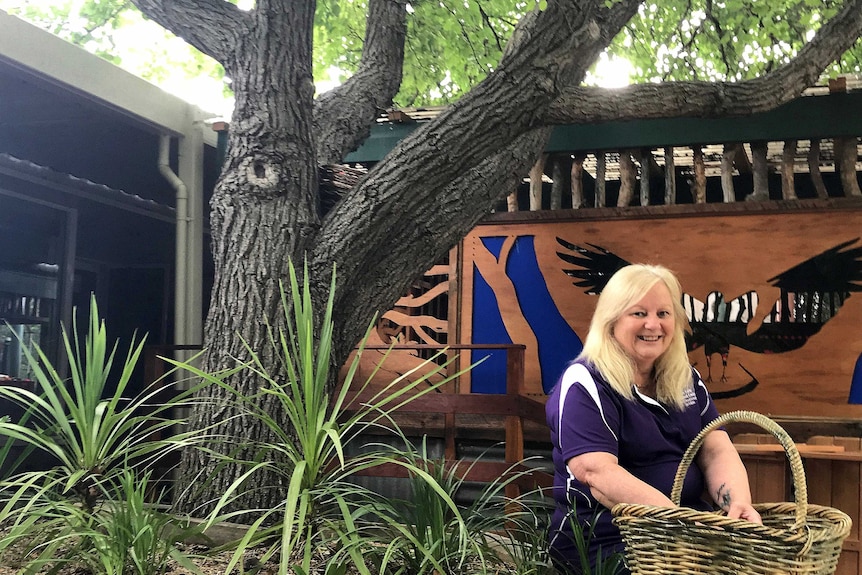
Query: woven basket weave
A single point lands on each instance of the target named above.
(795, 538)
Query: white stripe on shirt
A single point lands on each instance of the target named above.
(578, 373)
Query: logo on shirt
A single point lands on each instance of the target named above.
(689, 398)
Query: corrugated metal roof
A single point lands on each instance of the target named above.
(81, 187)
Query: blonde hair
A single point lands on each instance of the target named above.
(672, 369)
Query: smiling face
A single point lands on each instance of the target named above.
(644, 331)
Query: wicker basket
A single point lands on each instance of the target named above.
(795, 538)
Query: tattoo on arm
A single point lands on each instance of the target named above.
(722, 496)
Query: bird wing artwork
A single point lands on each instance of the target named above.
(811, 293)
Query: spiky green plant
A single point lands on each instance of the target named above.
(319, 510)
(127, 534)
(430, 533)
(94, 434)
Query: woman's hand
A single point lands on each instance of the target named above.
(744, 511)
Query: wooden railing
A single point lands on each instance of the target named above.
(513, 408)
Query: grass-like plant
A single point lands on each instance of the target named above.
(431, 533)
(582, 534)
(128, 533)
(319, 513)
(100, 442)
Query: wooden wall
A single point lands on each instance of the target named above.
(513, 288)
(833, 470)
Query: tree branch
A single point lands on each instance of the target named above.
(580, 105)
(211, 26)
(432, 176)
(426, 226)
(343, 116)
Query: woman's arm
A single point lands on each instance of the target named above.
(611, 484)
(725, 475)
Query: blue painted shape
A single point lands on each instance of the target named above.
(490, 375)
(558, 343)
(494, 244)
(856, 383)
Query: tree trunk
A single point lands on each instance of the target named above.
(264, 213)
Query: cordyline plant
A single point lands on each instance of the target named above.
(322, 512)
(101, 444)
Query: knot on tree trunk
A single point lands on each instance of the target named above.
(262, 173)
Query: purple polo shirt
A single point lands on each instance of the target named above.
(585, 415)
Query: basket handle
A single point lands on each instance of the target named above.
(800, 487)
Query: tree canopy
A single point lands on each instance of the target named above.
(450, 45)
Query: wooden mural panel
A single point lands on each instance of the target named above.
(773, 294)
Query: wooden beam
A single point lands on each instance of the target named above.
(846, 155)
(536, 173)
(788, 155)
(577, 180)
(760, 170)
(727, 157)
(669, 177)
(646, 165)
(601, 166)
(814, 168)
(698, 191)
(628, 177)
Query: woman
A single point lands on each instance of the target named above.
(623, 414)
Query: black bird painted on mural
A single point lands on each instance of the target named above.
(812, 292)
